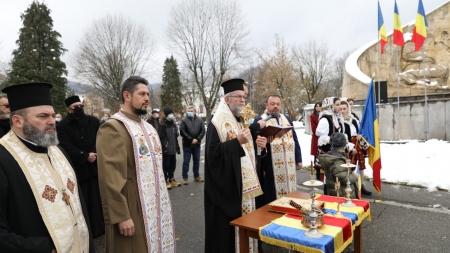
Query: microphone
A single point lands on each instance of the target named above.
(268, 117)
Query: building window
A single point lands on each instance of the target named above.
(202, 109)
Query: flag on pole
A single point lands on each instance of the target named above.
(370, 133)
(420, 28)
(381, 30)
(398, 30)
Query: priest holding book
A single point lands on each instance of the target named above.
(283, 154)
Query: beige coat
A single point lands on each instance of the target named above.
(118, 186)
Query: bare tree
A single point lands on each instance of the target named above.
(112, 49)
(209, 36)
(276, 76)
(313, 64)
(189, 89)
(333, 87)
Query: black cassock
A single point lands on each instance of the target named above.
(223, 191)
(22, 228)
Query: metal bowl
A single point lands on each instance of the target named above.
(307, 222)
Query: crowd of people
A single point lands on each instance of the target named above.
(65, 181)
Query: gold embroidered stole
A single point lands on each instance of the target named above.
(49, 181)
(283, 158)
(153, 194)
(227, 127)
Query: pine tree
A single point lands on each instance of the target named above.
(171, 87)
(37, 58)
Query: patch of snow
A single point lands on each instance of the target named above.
(414, 162)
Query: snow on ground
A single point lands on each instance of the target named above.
(414, 162)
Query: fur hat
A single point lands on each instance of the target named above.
(338, 141)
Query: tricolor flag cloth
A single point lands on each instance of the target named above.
(288, 232)
(381, 30)
(398, 30)
(420, 28)
(370, 133)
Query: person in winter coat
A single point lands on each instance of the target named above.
(331, 164)
(192, 129)
(168, 134)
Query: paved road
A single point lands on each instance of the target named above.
(406, 220)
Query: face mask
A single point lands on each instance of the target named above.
(105, 118)
(190, 114)
(78, 111)
(57, 119)
(170, 117)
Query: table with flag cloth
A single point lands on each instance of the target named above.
(287, 231)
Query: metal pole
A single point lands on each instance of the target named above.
(425, 89)
(398, 96)
(378, 78)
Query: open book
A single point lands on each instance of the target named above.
(275, 131)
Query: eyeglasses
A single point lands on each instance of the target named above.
(240, 97)
(5, 105)
(77, 106)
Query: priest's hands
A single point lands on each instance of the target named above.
(54, 251)
(126, 228)
(262, 124)
(244, 136)
(261, 141)
(92, 157)
(299, 166)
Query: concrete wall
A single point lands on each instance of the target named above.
(412, 120)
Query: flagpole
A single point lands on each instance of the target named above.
(425, 89)
(378, 75)
(397, 76)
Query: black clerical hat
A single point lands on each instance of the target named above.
(232, 85)
(71, 100)
(26, 95)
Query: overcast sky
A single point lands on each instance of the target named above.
(344, 24)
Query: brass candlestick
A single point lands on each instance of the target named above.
(348, 190)
(313, 232)
(337, 187)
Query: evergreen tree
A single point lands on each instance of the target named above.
(171, 87)
(37, 58)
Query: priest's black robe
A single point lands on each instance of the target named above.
(22, 228)
(223, 191)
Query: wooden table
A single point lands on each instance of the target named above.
(249, 224)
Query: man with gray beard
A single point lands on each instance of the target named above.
(41, 209)
(4, 115)
(231, 182)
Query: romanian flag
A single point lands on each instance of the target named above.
(398, 31)
(369, 131)
(381, 30)
(420, 28)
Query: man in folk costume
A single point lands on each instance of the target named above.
(231, 182)
(330, 121)
(136, 204)
(41, 208)
(283, 157)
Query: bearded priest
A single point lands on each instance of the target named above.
(41, 209)
(231, 182)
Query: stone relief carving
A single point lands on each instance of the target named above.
(411, 67)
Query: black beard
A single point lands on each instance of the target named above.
(42, 139)
(138, 111)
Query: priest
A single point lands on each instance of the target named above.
(41, 209)
(228, 157)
